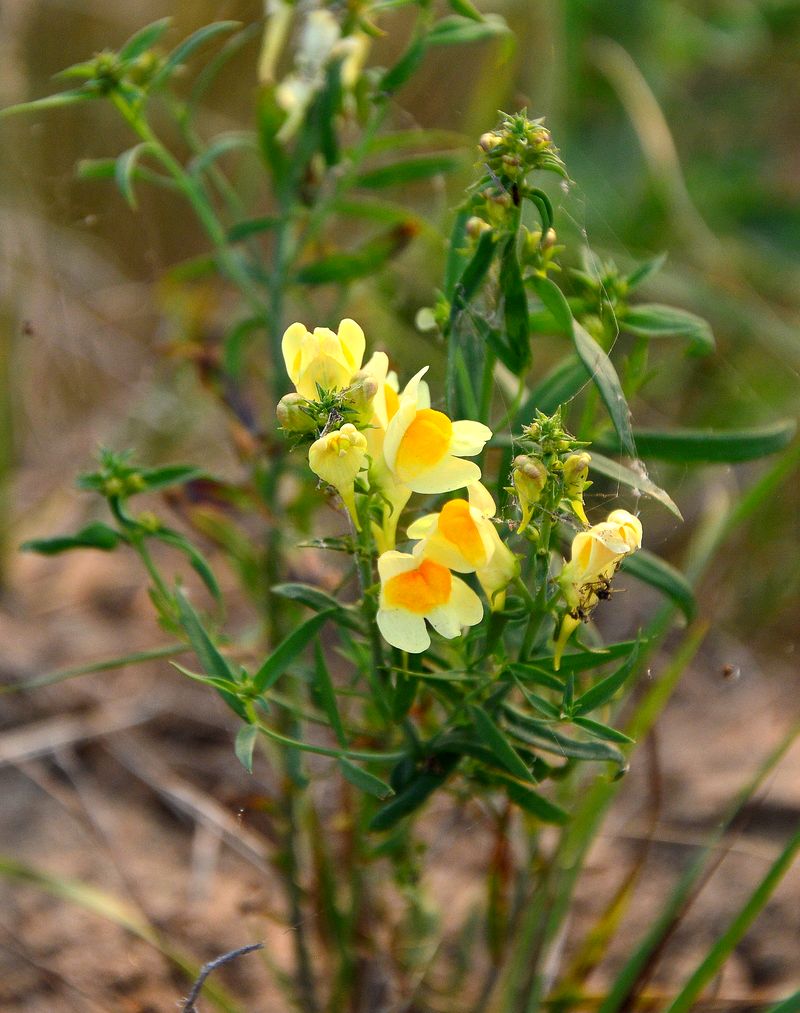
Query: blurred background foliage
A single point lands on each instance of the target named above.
(677, 120)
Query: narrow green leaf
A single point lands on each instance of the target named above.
(531, 801)
(326, 694)
(93, 536)
(319, 601)
(251, 227)
(790, 1005)
(286, 652)
(645, 271)
(636, 480)
(144, 39)
(406, 66)
(652, 320)
(456, 253)
(244, 746)
(124, 169)
(197, 560)
(64, 98)
(601, 731)
(210, 71)
(604, 377)
(542, 736)
(709, 446)
(458, 31)
(515, 307)
(211, 661)
(658, 573)
(168, 475)
(185, 49)
(722, 949)
(579, 661)
(417, 791)
(364, 781)
(499, 744)
(555, 302)
(234, 140)
(604, 690)
(466, 9)
(538, 676)
(538, 703)
(409, 170)
(224, 686)
(342, 267)
(544, 207)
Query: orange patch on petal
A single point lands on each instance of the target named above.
(424, 443)
(457, 526)
(421, 590)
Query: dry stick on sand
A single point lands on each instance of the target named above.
(212, 965)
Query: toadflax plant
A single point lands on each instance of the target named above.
(458, 657)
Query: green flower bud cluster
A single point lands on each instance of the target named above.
(553, 473)
(304, 418)
(518, 146)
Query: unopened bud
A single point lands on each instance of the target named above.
(489, 141)
(360, 395)
(575, 472)
(529, 478)
(292, 415)
(475, 227)
(550, 239)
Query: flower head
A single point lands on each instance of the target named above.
(423, 448)
(415, 588)
(322, 359)
(337, 459)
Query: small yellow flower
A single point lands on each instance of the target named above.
(337, 459)
(415, 588)
(462, 537)
(596, 557)
(423, 448)
(320, 358)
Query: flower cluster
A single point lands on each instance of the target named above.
(377, 445)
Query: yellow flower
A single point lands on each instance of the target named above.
(596, 557)
(415, 588)
(423, 448)
(462, 537)
(337, 458)
(320, 358)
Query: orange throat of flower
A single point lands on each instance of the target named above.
(421, 590)
(457, 525)
(424, 443)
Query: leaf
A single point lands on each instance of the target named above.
(645, 271)
(544, 206)
(604, 690)
(515, 307)
(635, 480)
(581, 661)
(601, 731)
(457, 31)
(234, 140)
(185, 49)
(416, 792)
(543, 736)
(604, 376)
(409, 170)
(658, 573)
(342, 267)
(499, 744)
(223, 685)
(197, 560)
(244, 745)
(169, 474)
(64, 98)
(144, 39)
(211, 661)
(531, 801)
(559, 386)
(466, 9)
(652, 320)
(124, 168)
(93, 536)
(319, 601)
(364, 781)
(286, 652)
(555, 303)
(534, 674)
(251, 227)
(324, 691)
(790, 1005)
(710, 446)
(405, 67)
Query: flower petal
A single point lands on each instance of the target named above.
(469, 438)
(403, 630)
(481, 499)
(353, 343)
(392, 562)
(465, 603)
(422, 527)
(445, 621)
(451, 474)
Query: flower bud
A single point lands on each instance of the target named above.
(360, 396)
(575, 472)
(489, 141)
(529, 478)
(337, 459)
(292, 415)
(476, 227)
